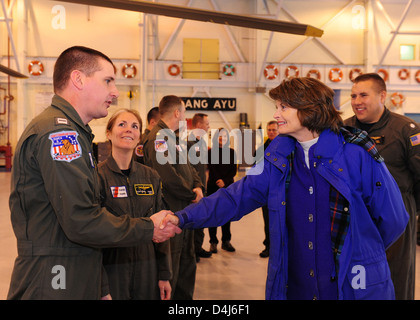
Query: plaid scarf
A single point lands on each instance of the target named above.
(339, 206)
(361, 138)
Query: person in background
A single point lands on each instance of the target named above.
(55, 196)
(222, 170)
(165, 152)
(398, 141)
(196, 141)
(334, 207)
(153, 117)
(139, 272)
(272, 132)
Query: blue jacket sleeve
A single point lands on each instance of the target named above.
(229, 204)
(386, 205)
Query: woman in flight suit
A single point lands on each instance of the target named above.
(143, 271)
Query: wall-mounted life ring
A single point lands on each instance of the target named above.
(295, 72)
(336, 74)
(397, 99)
(417, 76)
(271, 72)
(35, 68)
(403, 74)
(229, 70)
(354, 73)
(174, 70)
(314, 72)
(384, 74)
(129, 70)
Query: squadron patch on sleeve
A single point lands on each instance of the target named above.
(161, 145)
(65, 146)
(415, 139)
(139, 151)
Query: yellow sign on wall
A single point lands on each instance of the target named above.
(201, 59)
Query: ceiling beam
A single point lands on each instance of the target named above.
(205, 16)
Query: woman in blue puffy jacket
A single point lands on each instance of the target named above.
(334, 207)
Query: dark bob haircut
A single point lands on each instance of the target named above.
(313, 100)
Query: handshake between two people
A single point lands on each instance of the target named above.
(165, 226)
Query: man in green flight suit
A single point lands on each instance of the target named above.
(167, 154)
(55, 194)
(398, 141)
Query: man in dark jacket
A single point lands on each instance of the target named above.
(398, 141)
(167, 154)
(196, 141)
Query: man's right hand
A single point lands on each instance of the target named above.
(162, 232)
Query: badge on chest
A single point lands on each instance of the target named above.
(144, 189)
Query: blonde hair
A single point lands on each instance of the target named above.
(113, 118)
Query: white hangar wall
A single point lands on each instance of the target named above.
(357, 34)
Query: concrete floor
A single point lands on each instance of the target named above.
(225, 276)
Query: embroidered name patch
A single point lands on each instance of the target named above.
(119, 192)
(144, 189)
(415, 139)
(160, 145)
(65, 146)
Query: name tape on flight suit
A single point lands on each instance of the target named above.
(119, 192)
(144, 189)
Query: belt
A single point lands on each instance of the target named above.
(26, 248)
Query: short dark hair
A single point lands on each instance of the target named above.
(152, 114)
(76, 58)
(198, 118)
(313, 100)
(269, 123)
(376, 78)
(169, 103)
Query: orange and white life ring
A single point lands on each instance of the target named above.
(174, 70)
(384, 74)
(129, 70)
(229, 70)
(35, 68)
(354, 73)
(417, 76)
(314, 72)
(294, 74)
(271, 72)
(403, 74)
(336, 75)
(397, 99)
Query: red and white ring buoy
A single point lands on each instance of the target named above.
(314, 73)
(229, 70)
(336, 74)
(174, 70)
(384, 74)
(294, 74)
(403, 74)
(36, 68)
(417, 76)
(354, 73)
(397, 99)
(129, 70)
(271, 72)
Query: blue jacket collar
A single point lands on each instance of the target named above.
(327, 146)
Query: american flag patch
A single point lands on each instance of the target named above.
(119, 192)
(65, 146)
(415, 139)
